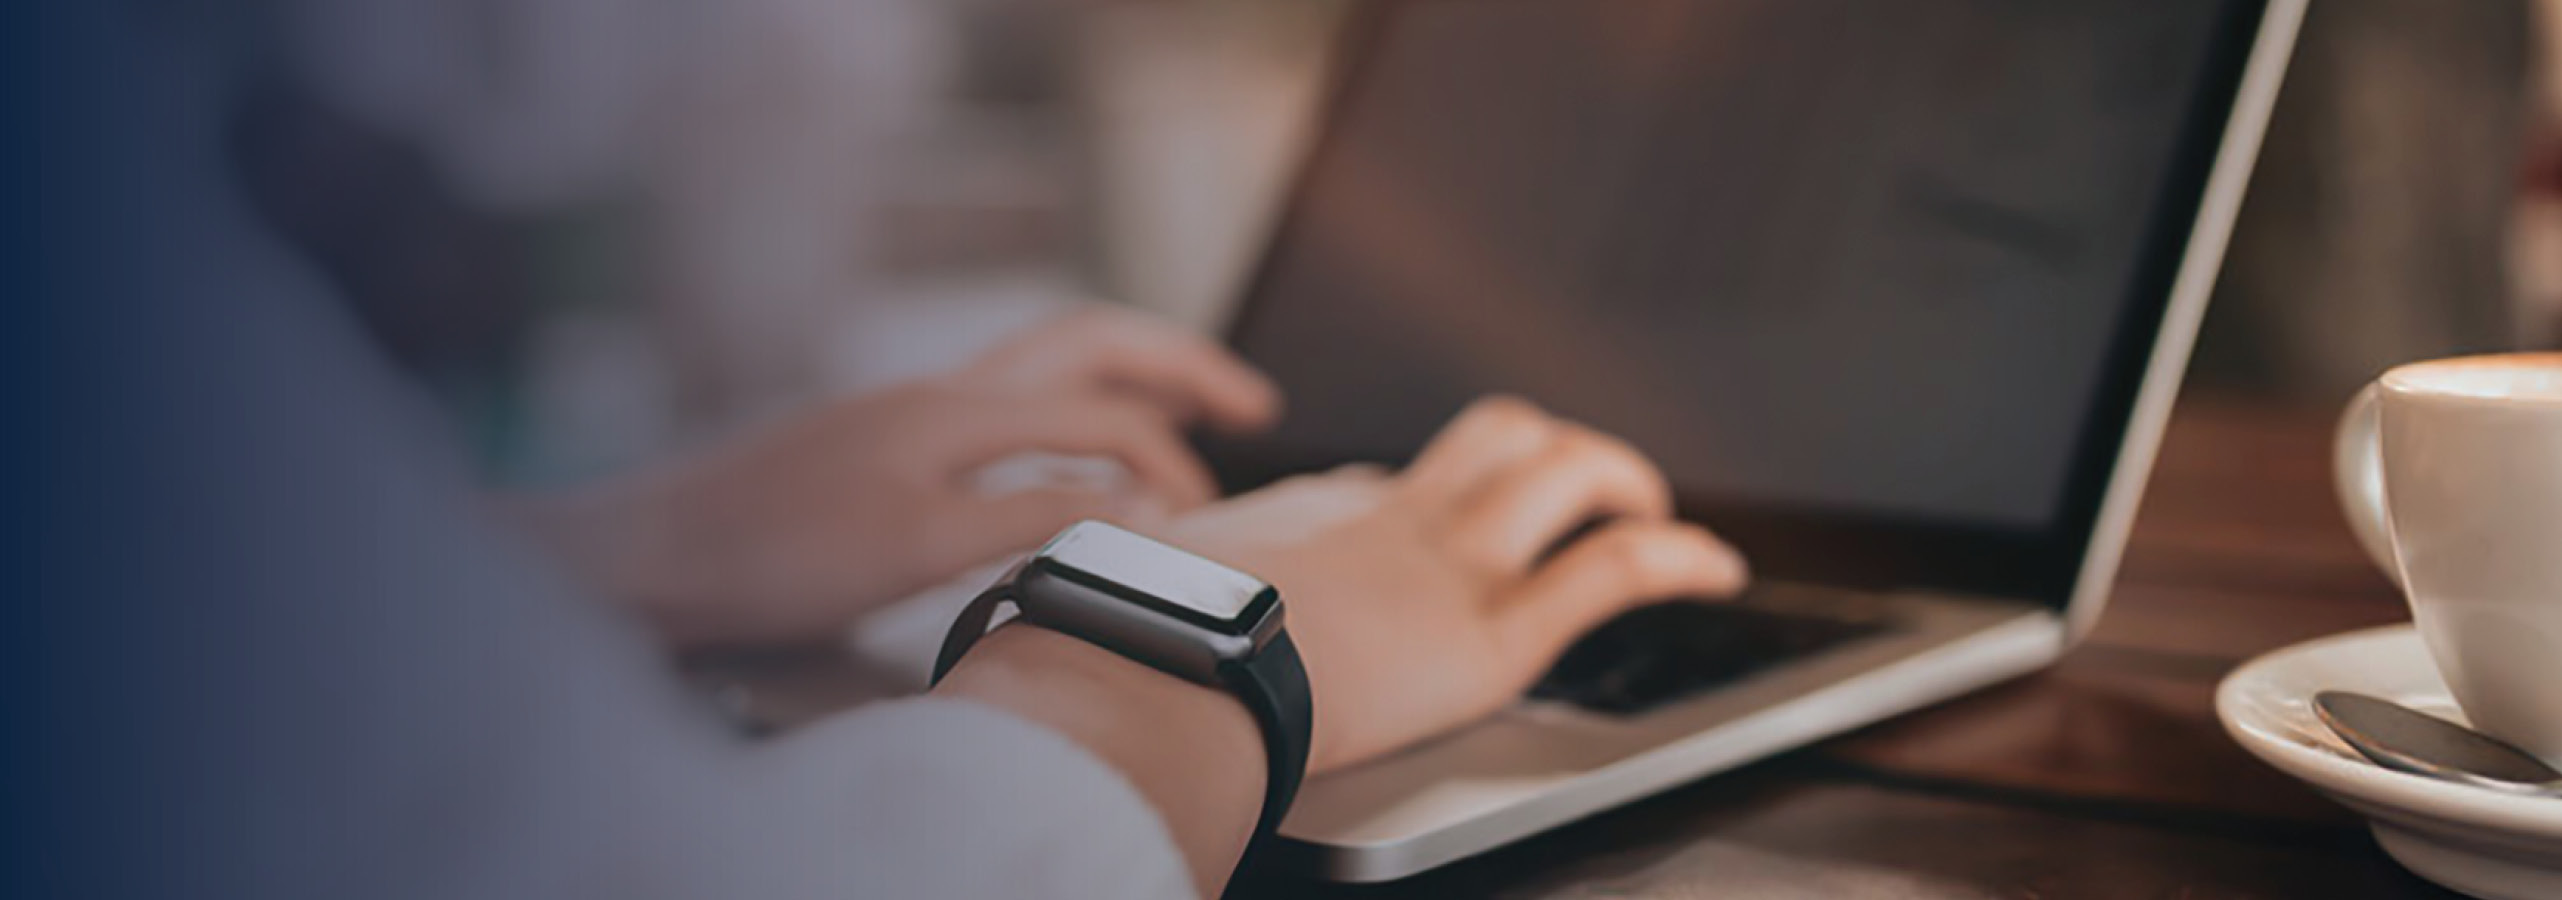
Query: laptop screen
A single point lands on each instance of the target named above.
(1874, 282)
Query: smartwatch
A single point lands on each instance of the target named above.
(1172, 611)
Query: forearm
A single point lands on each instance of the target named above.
(1195, 753)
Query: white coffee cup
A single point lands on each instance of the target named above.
(2451, 473)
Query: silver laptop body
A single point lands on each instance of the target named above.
(1543, 763)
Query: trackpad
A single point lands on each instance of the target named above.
(1659, 654)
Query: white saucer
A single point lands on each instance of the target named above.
(2477, 841)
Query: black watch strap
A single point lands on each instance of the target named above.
(1274, 685)
(968, 629)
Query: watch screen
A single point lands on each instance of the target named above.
(1153, 568)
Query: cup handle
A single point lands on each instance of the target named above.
(2357, 469)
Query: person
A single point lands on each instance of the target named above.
(289, 648)
(1421, 598)
(798, 530)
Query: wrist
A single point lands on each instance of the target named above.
(1194, 752)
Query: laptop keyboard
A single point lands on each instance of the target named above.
(1654, 655)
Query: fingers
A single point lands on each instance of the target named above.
(1189, 376)
(1491, 434)
(1620, 566)
(1580, 476)
(1512, 480)
(1138, 436)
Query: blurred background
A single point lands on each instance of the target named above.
(603, 230)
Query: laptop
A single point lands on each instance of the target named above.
(1898, 294)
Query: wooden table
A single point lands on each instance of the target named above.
(2103, 777)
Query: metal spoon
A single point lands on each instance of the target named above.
(2401, 738)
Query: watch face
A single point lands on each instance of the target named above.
(1158, 570)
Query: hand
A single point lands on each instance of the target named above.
(1419, 602)
(1422, 601)
(794, 532)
